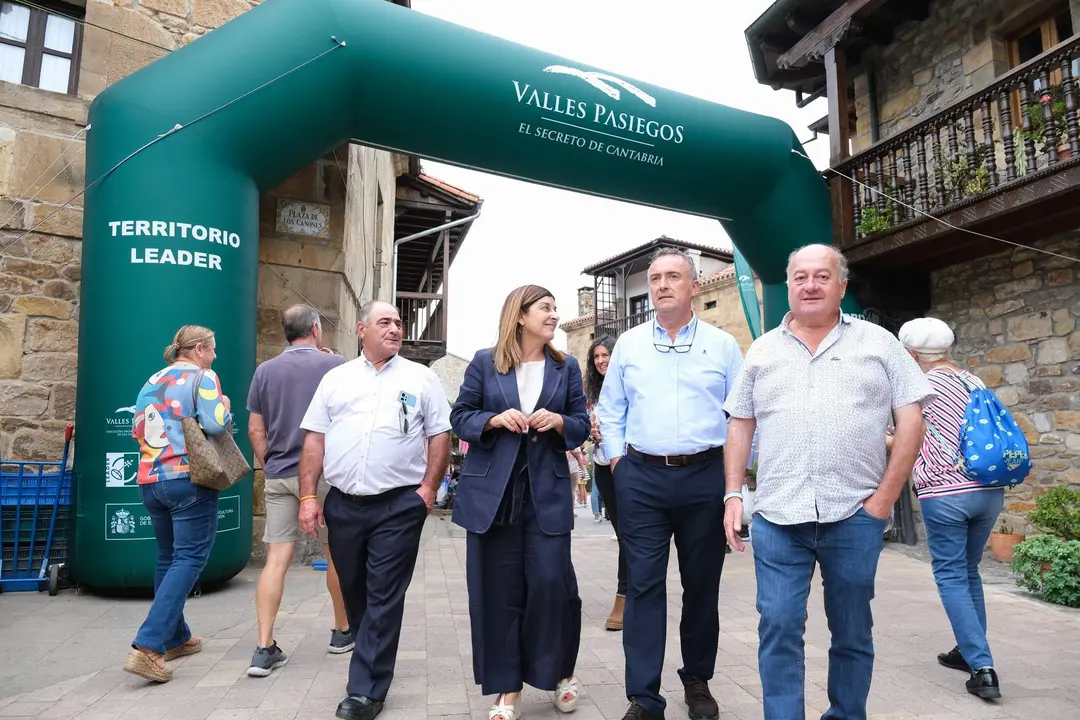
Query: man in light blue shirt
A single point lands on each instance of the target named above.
(661, 420)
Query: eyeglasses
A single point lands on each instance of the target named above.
(677, 348)
(680, 349)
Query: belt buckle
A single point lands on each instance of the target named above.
(681, 460)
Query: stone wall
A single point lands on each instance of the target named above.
(929, 65)
(39, 274)
(1015, 316)
(586, 299)
(160, 25)
(728, 313)
(450, 369)
(580, 333)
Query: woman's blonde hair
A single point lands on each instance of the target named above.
(508, 348)
(185, 340)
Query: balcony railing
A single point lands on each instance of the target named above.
(614, 327)
(423, 317)
(974, 148)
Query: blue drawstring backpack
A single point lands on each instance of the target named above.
(992, 449)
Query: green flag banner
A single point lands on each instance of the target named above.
(748, 294)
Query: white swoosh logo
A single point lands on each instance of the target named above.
(129, 408)
(600, 81)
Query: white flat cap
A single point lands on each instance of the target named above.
(926, 335)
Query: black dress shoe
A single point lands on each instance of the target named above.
(984, 684)
(358, 707)
(953, 660)
(699, 701)
(636, 712)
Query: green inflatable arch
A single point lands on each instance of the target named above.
(178, 153)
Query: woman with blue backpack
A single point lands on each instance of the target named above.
(972, 451)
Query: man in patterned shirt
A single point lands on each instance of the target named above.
(819, 390)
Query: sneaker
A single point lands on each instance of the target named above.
(699, 701)
(265, 660)
(341, 642)
(984, 683)
(953, 660)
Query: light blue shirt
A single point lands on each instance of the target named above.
(668, 403)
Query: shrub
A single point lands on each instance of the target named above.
(1049, 567)
(1057, 511)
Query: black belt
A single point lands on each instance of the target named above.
(381, 497)
(678, 460)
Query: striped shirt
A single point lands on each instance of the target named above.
(935, 473)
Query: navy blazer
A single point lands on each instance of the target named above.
(492, 454)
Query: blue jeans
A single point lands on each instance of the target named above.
(185, 519)
(957, 527)
(595, 498)
(784, 561)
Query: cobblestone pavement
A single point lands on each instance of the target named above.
(61, 657)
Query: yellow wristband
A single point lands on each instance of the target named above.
(308, 497)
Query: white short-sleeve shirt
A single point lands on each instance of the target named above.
(377, 423)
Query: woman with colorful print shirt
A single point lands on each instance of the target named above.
(184, 515)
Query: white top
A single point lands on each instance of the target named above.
(377, 423)
(530, 382)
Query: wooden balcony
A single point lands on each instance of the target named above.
(614, 327)
(423, 325)
(1003, 161)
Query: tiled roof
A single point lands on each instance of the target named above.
(728, 272)
(447, 187)
(577, 322)
(708, 250)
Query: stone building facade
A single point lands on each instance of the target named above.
(718, 304)
(962, 46)
(1015, 312)
(42, 173)
(1015, 316)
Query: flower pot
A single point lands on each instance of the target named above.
(1002, 544)
(1064, 152)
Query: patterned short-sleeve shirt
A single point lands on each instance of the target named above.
(821, 417)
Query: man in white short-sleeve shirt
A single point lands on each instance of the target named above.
(378, 430)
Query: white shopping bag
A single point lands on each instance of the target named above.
(747, 505)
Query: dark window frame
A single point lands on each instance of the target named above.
(638, 304)
(34, 46)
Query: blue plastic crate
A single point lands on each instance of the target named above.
(34, 484)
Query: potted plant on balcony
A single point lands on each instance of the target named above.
(873, 219)
(1054, 98)
(968, 173)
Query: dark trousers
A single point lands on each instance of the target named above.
(524, 606)
(655, 504)
(606, 485)
(374, 542)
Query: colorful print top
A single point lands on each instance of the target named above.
(935, 473)
(163, 402)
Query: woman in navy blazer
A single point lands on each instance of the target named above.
(520, 408)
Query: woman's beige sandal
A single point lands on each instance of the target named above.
(145, 666)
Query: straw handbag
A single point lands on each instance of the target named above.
(214, 461)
